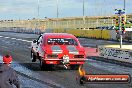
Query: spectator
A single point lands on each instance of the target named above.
(8, 77)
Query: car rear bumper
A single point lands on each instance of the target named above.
(80, 59)
(60, 61)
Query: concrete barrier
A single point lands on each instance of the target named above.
(96, 33)
(114, 52)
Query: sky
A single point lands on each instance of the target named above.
(28, 9)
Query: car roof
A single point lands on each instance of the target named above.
(58, 35)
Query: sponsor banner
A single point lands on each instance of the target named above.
(124, 55)
(97, 78)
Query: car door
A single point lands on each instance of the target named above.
(35, 44)
(40, 45)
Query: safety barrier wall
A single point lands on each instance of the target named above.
(124, 55)
(113, 34)
(106, 34)
(94, 33)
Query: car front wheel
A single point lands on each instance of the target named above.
(33, 57)
(42, 66)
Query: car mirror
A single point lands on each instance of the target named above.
(34, 41)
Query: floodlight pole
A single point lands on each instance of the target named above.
(57, 10)
(57, 13)
(83, 18)
(124, 4)
(83, 7)
(38, 19)
(38, 9)
(83, 14)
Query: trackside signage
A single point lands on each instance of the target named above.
(124, 55)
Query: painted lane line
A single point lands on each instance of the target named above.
(1, 36)
(24, 40)
(19, 39)
(6, 37)
(13, 38)
(28, 41)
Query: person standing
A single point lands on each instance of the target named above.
(8, 77)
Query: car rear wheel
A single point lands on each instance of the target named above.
(33, 57)
(74, 67)
(46, 67)
(42, 66)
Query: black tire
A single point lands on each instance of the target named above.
(42, 65)
(74, 67)
(45, 67)
(33, 57)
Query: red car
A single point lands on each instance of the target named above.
(58, 49)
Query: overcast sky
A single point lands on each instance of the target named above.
(28, 9)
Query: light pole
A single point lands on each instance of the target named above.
(83, 17)
(83, 7)
(38, 18)
(38, 9)
(83, 14)
(57, 13)
(124, 4)
(57, 9)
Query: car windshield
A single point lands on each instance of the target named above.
(61, 41)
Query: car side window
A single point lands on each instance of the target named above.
(43, 40)
(75, 42)
(40, 39)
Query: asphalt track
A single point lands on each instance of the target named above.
(31, 76)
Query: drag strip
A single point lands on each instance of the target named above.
(32, 74)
